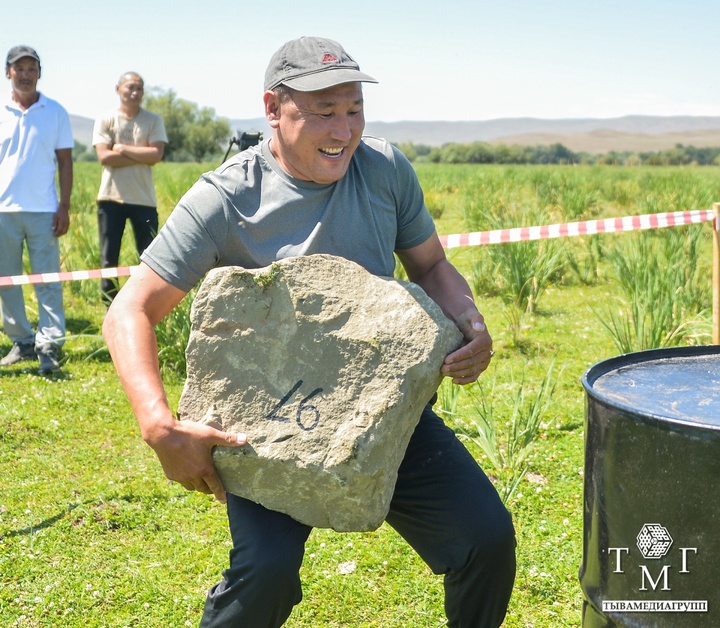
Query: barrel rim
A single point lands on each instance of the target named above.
(603, 367)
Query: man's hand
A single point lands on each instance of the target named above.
(61, 220)
(467, 363)
(185, 453)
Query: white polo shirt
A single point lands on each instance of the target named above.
(28, 141)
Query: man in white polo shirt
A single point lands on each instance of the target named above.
(35, 142)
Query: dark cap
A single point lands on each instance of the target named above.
(310, 64)
(18, 52)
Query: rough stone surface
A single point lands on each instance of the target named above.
(326, 368)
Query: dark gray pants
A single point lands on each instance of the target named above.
(112, 218)
(443, 505)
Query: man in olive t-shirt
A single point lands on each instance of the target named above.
(128, 143)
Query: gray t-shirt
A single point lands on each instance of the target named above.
(250, 212)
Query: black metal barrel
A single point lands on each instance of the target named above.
(651, 527)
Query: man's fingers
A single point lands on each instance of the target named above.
(211, 481)
(214, 486)
(464, 366)
(209, 484)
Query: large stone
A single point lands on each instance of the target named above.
(326, 368)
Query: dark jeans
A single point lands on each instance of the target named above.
(443, 505)
(112, 217)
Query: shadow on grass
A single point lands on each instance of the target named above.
(46, 523)
(78, 354)
(81, 326)
(31, 367)
(82, 343)
(90, 505)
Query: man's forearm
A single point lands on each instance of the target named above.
(148, 155)
(65, 177)
(133, 347)
(449, 289)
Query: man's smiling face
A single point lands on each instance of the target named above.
(316, 133)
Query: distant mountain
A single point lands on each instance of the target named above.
(595, 135)
(82, 129)
(438, 133)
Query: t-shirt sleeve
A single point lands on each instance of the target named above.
(158, 132)
(102, 132)
(189, 243)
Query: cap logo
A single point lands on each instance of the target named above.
(328, 58)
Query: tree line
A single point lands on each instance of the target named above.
(556, 154)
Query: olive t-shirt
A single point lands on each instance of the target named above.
(129, 184)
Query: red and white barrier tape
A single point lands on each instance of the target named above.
(74, 275)
(498, 236)
(586, 227)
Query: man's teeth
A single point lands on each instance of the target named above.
(332, 151)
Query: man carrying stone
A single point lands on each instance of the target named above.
(317, 186)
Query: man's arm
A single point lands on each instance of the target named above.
(183, 447)
(427, 266)
(119, 155)
(109, 157)
(148, 155)
(61, 219)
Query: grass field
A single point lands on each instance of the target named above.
(92, 534)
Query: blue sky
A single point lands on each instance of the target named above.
(450, 60)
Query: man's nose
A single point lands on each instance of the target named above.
(342, 128)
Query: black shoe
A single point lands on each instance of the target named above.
(20, 351)
(49, 358)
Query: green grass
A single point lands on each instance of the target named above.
(92, 534)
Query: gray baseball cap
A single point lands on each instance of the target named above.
(18, 52)
(310, 64)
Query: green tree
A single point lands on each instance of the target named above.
(193, 132)
(408, 149)
(480, 153)
(80, 152)
(206, 133)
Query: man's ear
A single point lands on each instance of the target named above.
(272, 108)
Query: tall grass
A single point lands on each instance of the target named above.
(173, 333)
(518, 271)
(505, 424)
(662, 281)
(664, 275)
